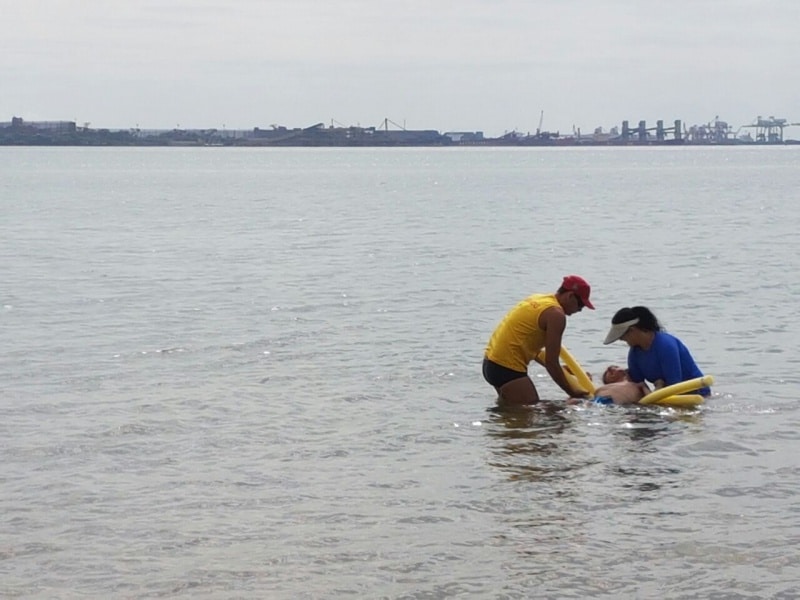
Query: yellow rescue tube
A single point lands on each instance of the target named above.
(572, 370)
(675, 395)
(682, 401)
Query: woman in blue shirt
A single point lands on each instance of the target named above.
(654, 355)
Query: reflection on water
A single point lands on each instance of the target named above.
(648, 438)
(527, 442)
(646, 424)
(578, 445)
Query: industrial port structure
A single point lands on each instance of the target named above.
(67, 133)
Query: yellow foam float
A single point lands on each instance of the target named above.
(676, 394)
(572, 370)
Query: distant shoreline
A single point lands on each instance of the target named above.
(768, 132)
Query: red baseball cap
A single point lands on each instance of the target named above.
(578, 285)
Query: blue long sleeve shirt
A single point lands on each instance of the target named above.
(668, 359)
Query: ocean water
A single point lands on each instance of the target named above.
(255, 373)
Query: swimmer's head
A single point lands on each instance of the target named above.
(614, 374)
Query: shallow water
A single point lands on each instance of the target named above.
(233, 373)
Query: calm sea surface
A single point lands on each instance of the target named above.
(235, 373)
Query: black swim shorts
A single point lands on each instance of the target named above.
(498, 375)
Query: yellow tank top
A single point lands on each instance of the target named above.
(518, 338)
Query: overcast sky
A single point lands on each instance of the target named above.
(449, 65)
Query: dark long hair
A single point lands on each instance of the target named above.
(647, 320)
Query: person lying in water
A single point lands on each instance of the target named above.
(617, 388)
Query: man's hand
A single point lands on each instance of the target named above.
(579, 393)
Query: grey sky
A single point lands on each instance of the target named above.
(488, 65)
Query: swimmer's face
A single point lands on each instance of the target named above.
(614, 374)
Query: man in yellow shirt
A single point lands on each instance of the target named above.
(536, 322)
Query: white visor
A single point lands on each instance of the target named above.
(618, 330)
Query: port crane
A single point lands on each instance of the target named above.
(770, 130)
(385, 124)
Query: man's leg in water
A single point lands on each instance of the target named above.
(517, 392)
